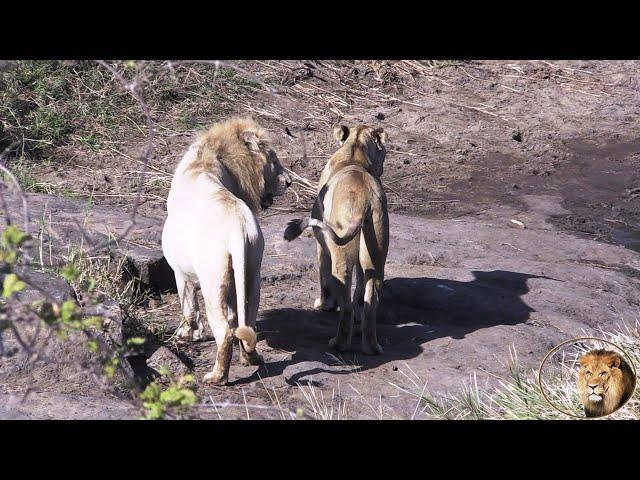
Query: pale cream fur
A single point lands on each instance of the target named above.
(212, 238)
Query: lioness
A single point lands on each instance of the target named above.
(212, 238)
(605, 382)
(351, 225)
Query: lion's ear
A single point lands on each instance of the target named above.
(341, 132)
(584, 360)
(380, 137)
(615, 361)
(251, 140)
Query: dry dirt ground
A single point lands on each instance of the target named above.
(555, 146)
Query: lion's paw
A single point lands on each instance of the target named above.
(374, 349)
(338, 344)
(325, 307)
(253, 358)
(216, 378)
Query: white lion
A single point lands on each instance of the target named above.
(212, 238)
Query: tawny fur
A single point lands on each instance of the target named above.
(212, 238)
(605, 374)
(221, 150)
(351, 225)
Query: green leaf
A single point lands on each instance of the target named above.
(174, 396)
(151, 393)
(155, 411)
(136, 341)
(171, 396)
(8, 256)
(92, 345)
(188, 397)
(12, 284)
(109, 370)
(12, 236)
(69, 311)
(70, 272)
(90, 284)
(186, 379)
(110, 366)
(94, 321)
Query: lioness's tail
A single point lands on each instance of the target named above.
(297, 226)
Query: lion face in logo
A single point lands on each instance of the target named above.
(605, 382)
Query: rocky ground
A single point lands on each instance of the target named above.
(473, 146)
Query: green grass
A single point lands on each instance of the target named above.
(45, 105)
(31, 184)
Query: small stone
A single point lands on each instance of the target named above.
(407, 161)
(163, 357)
(517, 136)
(381, 116)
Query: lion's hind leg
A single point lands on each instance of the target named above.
(191, 327)
(216, 282)
(252, 282)
(217, 318)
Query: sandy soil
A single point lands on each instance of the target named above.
(554, 146)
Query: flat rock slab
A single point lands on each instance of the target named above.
(458, 295)
(61, 406)
(66, 223)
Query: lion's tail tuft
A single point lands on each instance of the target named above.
(248, 336)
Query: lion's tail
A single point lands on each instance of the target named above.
(244, 333)
(297, 226)
(248, 336)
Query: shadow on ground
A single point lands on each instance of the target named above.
(413, 312)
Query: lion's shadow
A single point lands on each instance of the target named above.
(413, 311)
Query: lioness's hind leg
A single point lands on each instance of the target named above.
(342, 340)
(191, 327)
(327, 301)
(370, 345)
(358, 295)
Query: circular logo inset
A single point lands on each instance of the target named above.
(587, 377)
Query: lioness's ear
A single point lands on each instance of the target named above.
(251, 140)
(341, 132)
(380, 137)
